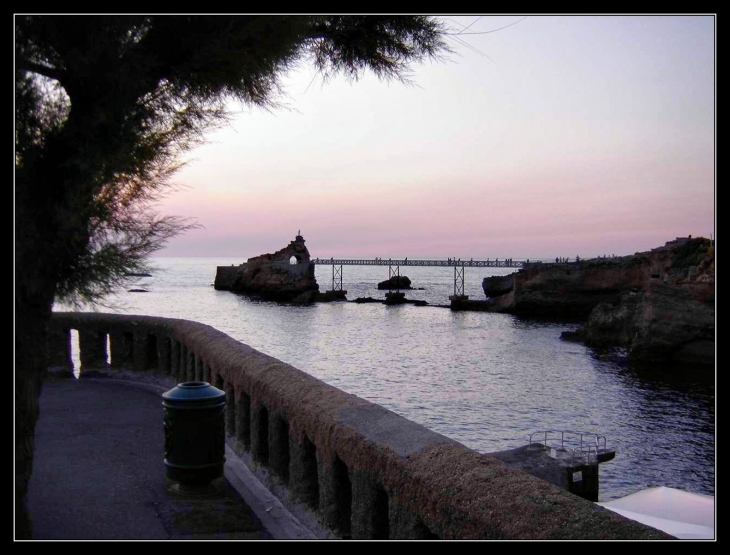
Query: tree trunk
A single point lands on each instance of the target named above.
(31, 363)
(36, 269)
(33, 305)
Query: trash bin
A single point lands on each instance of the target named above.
(194, 417)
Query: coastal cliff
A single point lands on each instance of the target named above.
(286, 275)
(659, 304)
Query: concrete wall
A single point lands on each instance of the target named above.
(366, 472)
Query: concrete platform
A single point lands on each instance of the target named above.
(98, 474)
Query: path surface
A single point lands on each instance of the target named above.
(99, 473)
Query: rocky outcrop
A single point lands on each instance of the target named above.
(662, 324)
(286, 275)
(395, 282)
(568, 290)
(659, 305)
(495, 286)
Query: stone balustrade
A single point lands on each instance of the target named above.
(366, 472)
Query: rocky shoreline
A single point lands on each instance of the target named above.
(659, 305)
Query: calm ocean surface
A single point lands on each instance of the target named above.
(485, 380)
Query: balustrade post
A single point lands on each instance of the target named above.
(59, 351)
(230, 418)
(92, 350)
(175, 355)
(143, 345)
(164, 350)
(121, 346)
(243, 421)
(303, 470)
(200, 370)
(189, 365)
(279, 445)
(335, 491)
(370, 507)
(259, 433)
(404, 521)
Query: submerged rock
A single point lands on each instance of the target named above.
(331, 296)
(361, 300)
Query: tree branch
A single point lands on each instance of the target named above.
(32, 67)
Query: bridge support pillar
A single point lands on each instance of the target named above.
(337, 290)
(457, 301)
(394, 295)
(458, 297)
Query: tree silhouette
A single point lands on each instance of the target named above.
(105, 105)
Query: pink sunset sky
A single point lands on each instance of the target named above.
(556, 136)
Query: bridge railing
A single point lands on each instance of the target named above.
(363, 470)
(496, 263)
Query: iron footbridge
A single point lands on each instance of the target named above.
(394, 295)
(450, 262)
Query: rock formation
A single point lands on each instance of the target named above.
(564, 290)
(395, 282)
(495, 286)
(659, 305)
(286, 275)
(661, 324)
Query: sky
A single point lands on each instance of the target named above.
(539, 136)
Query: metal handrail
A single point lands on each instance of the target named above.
(588, 443)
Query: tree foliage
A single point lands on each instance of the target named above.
(105, 106)
(123, 96)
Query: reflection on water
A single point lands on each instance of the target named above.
(486, 380)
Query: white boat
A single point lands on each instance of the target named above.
(682, 514)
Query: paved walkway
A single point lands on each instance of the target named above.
(99, 474)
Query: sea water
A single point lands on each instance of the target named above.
(486, 380)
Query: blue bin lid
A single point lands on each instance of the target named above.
(194, 395)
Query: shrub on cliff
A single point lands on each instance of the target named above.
(690, 253)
